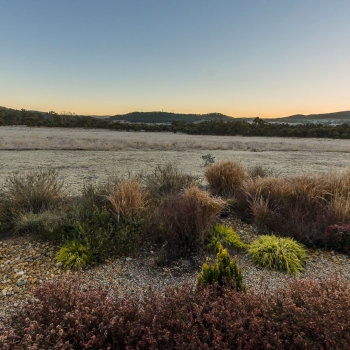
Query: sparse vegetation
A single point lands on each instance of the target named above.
(166, 180)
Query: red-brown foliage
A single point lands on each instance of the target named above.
(306, 314)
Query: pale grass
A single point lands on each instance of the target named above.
(127, 198)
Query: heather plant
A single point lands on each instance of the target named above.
(167, 180)
(222, 235)
(278, 253)
(186, 218)
(75, 254)
(225, 270)
(225, 176)
(304, 314)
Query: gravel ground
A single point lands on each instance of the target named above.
(25, 263)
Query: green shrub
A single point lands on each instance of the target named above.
(224, 177)
(225, 270)
(74, 254)
(278, 253)
(224, 235)
(40, 223)
(166, 180)
(33, 191)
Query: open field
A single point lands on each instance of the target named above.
(89, 155)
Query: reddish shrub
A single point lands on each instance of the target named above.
(306, 314)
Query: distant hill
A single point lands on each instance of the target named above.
(345, 115)
(167, 117)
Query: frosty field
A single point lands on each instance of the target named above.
(92, 155)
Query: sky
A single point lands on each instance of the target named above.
(240, 58)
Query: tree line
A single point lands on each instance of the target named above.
(222, 127)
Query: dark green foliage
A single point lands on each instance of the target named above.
(224, 271)
(215, 124)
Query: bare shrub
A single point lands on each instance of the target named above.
(186, 218)
(261, 171)
(166, 180)
(225, 176)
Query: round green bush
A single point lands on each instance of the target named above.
(278, 253)
(74, 254)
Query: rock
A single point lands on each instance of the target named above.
(21, 283)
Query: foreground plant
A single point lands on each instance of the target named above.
(224, 271)
(74, 254)
(67, 314)
(278, 253)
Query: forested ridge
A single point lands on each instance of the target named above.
(258, 127)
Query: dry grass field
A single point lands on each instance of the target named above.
(92, 155)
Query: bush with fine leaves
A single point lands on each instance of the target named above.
(305, 314)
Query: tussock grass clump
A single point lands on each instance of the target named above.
(185, 219)
(224, 235)
(127, 198)
(302, 206)
(278, 253)
(40, 223)
(225, 176)
(166, 180)
(74, 254)
(34, 191)
(224, 271)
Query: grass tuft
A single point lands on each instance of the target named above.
(278, 253)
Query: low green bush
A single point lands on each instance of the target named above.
(74, 254)
(224, 235)
(224, 271)
(278, 253)
(41, 224)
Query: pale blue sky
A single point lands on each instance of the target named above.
(241, 58)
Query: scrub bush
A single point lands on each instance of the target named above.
(167, 180)
(186, 218)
